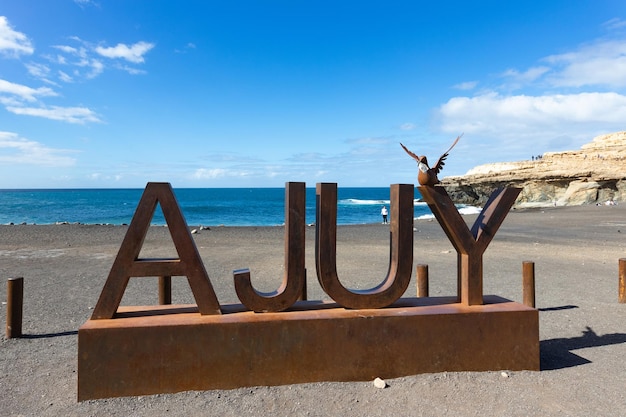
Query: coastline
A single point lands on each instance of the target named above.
(208, 206)
(582, 327)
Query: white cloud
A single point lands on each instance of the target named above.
(203, 173)
(601, 63)
(467, 85)
(81, 52)
(38, 70)
(13, 43)
(15, 96)
(214, 173)
(407, 126)
(131, 70)
(97, 68)
(187, 47)
(17, 150)
(78, 57)
(614, 24)
(23, 92)
(133, 53)
(77, 115)
(10, 101)
(528, 76)
(97, 176)
(63, 76)
(568, 99)
(86, 58)
(82, 3)
(520, 115)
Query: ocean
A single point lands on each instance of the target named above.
(200, 206)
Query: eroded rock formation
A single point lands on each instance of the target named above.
(595, 174)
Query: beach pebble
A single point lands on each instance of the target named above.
(194, 231)
(380, 383)
(505, 374)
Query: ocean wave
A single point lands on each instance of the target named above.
(462, 209)
(359, 202)
(202, 206)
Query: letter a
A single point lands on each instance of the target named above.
(127, 264)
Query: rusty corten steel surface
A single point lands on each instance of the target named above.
(161, 349)
(425, 174)
(294, 278)
(401, 251)
(127, 264)
(147, 350)
(622, 281)
(470, 244)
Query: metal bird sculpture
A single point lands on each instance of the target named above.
(425, 174)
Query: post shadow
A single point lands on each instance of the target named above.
(47, 335)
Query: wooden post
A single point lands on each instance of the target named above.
(165, 290)
(15, 305)
(622, 280)
(422, 280)
(528, 276)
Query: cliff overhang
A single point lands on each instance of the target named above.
(595, 174)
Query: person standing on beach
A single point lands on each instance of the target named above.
(383, 212)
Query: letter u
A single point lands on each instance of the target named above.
(401, 252)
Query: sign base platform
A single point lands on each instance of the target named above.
(172, 348)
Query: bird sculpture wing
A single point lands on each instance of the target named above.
(441, 162)
(417, 158)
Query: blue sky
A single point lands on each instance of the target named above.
(97, 93)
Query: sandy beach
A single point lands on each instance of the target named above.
(576, 251)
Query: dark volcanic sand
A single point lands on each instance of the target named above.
(582, 326)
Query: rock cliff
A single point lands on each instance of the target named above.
(595, 174)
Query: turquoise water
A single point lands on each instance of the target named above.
(200, 206)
